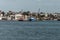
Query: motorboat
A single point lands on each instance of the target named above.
(31, 19)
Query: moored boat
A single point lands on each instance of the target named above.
(58, 19)
(31, 19)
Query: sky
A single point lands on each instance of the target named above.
(30, 5)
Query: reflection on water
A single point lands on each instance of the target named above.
(43, 30)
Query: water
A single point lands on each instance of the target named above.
(16, 30)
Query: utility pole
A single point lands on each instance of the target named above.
(38, 13)
(39, 10)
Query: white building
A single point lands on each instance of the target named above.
(18, 16)
(1, 15)
(46, 14)
(25, 17)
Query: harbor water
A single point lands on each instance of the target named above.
(41, 30)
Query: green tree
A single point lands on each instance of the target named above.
(26, 13)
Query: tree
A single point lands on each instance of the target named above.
(3, 13)
(26, 13)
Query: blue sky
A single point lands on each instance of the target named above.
(31, 5)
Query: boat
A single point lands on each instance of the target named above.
(58, 19)
(32, 19)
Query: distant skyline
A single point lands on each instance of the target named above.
(30, 5)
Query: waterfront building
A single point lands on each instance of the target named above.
(19, 17)
(58, 16)
(46, 14)
(54, 14)
(2, 15)
(25, 17)
(8, 18)
(11, 17)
